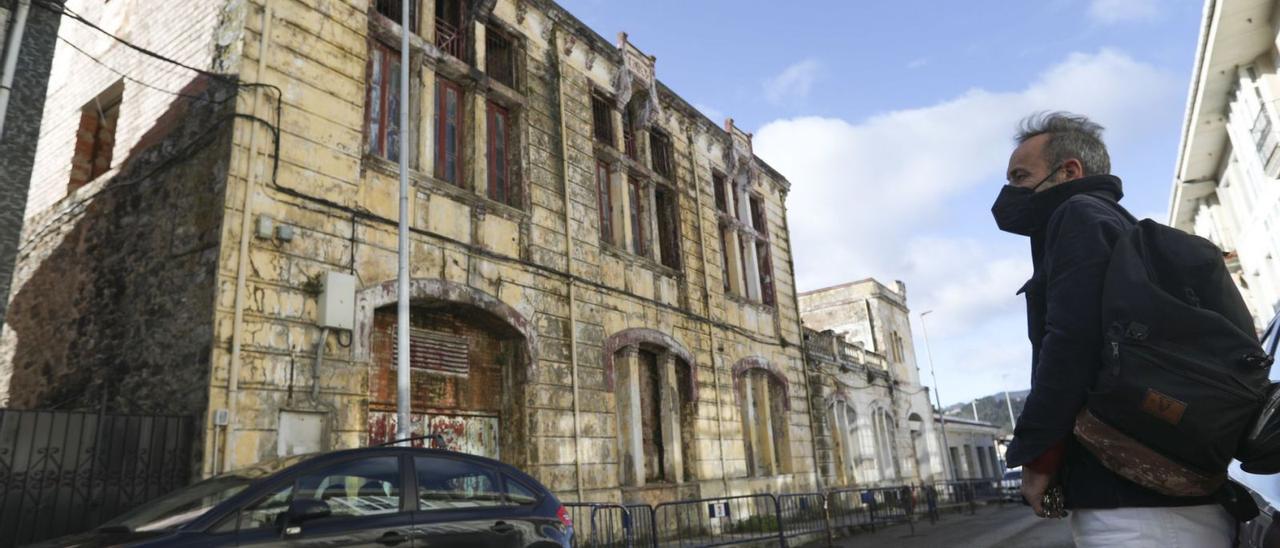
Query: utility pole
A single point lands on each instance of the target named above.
(942, 422)
(403, 419)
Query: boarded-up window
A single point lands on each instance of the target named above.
(436, 352)
(95, 138)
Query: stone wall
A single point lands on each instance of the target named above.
(113, 292)
(21, 129)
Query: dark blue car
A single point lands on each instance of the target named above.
(1263, 531)
(378, 496)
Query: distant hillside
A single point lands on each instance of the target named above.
(991, 409)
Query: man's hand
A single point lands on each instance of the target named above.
(1034, 485)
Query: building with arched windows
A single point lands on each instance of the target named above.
(877, 422)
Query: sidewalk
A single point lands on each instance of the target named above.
(1010, 525)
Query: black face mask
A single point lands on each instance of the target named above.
(1012, 209)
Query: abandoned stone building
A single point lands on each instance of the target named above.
(873, 422)
(602, 289)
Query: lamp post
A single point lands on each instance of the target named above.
(946, 449)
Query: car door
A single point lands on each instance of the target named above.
(364, 499)
(461, 503)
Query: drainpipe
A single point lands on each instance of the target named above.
(237, 324)
(568, 268)
(706, 303)
(11, 57)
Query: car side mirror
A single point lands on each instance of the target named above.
(304, 510)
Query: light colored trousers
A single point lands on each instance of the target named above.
(1208, 526)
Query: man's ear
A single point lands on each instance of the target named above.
(1072, 169)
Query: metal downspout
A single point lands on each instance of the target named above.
(237, 324)
(706, 303)
(11, 57)
(568, 258)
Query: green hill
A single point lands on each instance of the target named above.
(991, 409)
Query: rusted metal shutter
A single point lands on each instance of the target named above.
(436, 352)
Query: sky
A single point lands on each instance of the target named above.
(894, 121)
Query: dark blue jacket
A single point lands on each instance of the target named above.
(1081, 222)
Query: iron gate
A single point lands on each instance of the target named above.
(64, 472)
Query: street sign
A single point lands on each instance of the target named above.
(718, 509)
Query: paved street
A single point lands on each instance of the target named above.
(1004, 526)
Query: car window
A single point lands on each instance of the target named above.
(360, 487)
(446, 484)
(519, 493)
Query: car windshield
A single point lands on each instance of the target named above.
(185, 505)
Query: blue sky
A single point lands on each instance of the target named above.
(893, 122)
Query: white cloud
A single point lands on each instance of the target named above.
(1109, 12)
(904, 195)
(792, 83)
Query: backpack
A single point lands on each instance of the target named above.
(1183, 376)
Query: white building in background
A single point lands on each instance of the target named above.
(974, 451)
(1227, 182)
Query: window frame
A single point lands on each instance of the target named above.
(492, 35)
(602, 113)
(510, 186)
(377, 139)
(444, 85)
(415, 12)
(604, 201)
(666, 203)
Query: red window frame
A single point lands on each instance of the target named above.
(444, 171)
(382, 94)
(502, 184)
(604, 196)
(668, 226)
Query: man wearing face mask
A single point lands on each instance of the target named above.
(1061, 194)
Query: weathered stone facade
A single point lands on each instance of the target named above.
(591, 317)
(876, 424)
(21, 125)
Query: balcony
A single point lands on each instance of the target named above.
(451, 39)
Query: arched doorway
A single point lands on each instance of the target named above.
(653, 378)
(469, 359)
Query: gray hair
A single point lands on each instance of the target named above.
(1070, 136)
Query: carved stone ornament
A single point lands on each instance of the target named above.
(522, 10)
(569, 41)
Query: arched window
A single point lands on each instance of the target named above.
(653, 380)
(846, 450)
(766, 426)
(886, 440)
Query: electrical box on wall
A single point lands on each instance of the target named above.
(337, 308)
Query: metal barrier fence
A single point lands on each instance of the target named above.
(766, 518)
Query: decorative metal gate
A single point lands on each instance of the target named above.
(64, 472)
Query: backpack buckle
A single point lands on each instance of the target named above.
(1136, 331)
(1257, 360)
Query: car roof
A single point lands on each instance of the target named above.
(343, 454)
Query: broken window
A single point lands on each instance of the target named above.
(656, 406)
(503, 186)
(722, 197)
(451, 32)
(765, 422)
(668, 226)
(499, 57)
(629, 131)
(660, 153)
(602, 119)
(604, 197)
(96, 137)
(382, 104)
(651, 418)
(726, 263)
(639, 215)
(764, 266)
(449, 102)
(392, 9)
